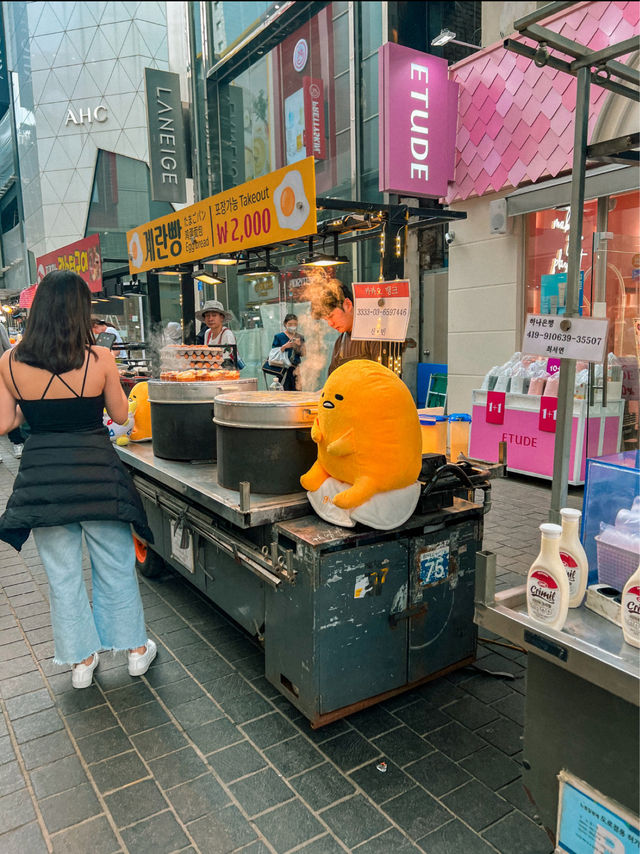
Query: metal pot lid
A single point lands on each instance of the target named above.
(266, 409)
(162, 391)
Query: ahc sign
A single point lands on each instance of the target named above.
(89, 115)
(418, 115)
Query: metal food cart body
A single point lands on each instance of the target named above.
(583, 695)
(346, 616)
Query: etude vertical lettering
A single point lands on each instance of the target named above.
(419, 124)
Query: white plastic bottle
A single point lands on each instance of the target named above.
(630, 606)
(573, 556)
(547, 582)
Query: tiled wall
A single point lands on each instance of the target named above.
(82, 55)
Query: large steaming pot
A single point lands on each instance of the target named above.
(182, 425)
(264, 437)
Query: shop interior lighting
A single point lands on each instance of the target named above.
(320, 259)
(225, 260)
(445, 36)
(260, 269)
(205, 276)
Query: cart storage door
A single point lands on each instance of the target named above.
(359, 651)
(441, 597)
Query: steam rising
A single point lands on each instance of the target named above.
(322, 293)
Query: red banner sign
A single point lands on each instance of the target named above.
(496, 401)
(548, 414)
(83, 257)
(315, 143)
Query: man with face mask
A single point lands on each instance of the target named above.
(292, 344)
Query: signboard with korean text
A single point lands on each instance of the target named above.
(548, 335)
(276, 207)
(381, 310)
(418, 116)
(591, 823)
(167, 152)
(83, 257)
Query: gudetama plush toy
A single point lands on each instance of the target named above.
(142, 429)
(368, 434)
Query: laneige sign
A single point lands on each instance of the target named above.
(418, 113)
(167, 155)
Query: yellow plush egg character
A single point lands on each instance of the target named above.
(142, 416)
(368, 433)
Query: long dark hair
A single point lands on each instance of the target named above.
(58, 328)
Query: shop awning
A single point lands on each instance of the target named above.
(27, 295)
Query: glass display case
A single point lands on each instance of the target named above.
(612, 500)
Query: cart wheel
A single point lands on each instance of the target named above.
(148, 562)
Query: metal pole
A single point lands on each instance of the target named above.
(562, 450)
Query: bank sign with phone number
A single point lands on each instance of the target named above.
(279, 206)
(381, 310)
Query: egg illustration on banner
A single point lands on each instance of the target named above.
(291, 203)
(135, 250)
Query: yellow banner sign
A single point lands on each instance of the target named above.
(279, 206)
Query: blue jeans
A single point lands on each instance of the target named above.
(117, 619)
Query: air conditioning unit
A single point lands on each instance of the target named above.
(499, 222)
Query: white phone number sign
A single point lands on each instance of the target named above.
(553, 335)
(381, 311)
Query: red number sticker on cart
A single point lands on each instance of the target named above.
(496, 401)
(548, 414)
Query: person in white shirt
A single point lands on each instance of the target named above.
(214, 316)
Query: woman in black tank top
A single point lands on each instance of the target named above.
(71, 482)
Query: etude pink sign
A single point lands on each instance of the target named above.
(418, 115)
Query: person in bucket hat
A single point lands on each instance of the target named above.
(214, 316)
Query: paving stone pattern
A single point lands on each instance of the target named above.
(202, 754)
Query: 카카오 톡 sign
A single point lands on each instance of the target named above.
(279, 206)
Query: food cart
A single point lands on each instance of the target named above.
(373, 613)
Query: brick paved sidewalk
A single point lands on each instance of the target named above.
(203, 755)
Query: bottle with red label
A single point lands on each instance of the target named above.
(631, 610)
(547, 582)
(573, 556)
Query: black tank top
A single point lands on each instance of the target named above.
(62, 414)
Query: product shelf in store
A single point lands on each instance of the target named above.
(530, 449)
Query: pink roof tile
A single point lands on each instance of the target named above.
(512, 118)
(491, 162)
(515, 121)
(528, 150)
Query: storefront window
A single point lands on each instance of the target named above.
(231, 22)
(610, 287)
(292, 103)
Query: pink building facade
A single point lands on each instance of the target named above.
(514, 150)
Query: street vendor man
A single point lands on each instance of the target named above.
(336, 307)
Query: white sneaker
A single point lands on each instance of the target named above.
(139, 661)
(17, 451)
(82, 674)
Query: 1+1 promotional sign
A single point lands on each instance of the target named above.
(277, 207)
